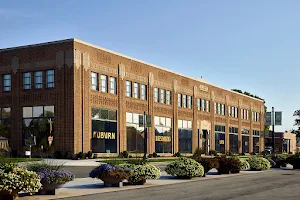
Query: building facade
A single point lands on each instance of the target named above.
(81, 97)
(285, 142)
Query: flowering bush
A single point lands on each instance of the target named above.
(16, 179)
(142, 172)
(55, 176)
(259, 163)
(185, 168)
(106, 170)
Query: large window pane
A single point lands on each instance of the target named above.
(128, 88)
(104, 114)
(136, 90)
(112, 115)
(49, 111)
(26, 80)
(162, 96)
(50, 78)
(96, 113)
(155, 94)
(27, 112)
(185, 140)
(94, 77)
(104, 136)
(38, 111)
(113, 85)
(103, 83)
(129, 117)
(143, 92)
(6, 82)
(38, 79)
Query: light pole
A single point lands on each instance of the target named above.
(145, 137)
(273, 127)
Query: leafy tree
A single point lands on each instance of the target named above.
(297, 122)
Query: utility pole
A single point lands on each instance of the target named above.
(273, 127)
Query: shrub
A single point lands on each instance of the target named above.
(198, 152)
(258, 163)
(227, 165)
(150, 156)
(142, 172)
(90, 154)
(130, 156)
(155, 155)
(79, 155)
(294, 160)
(58, 155)
(207, 163)
(253, 153)
(68, 155)
(15, 179)
(177, 154)
(185, 168)
(279, 160)
(124, 154)
(40, 166)
(106, 170)
(213, 153)
(228, 153)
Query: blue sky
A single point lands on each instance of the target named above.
(249, 45)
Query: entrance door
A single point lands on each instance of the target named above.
(205, 141)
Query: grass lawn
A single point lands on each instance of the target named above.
(16, 160)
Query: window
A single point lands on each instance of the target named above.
(6, 82)
(184, 101)
(128, 88)
(163, 134)
(143, 92)
(257, 117)
(236, 113)
(179, 100)
(247, 114)
(219, 109)
(50, 78)
(103, 83)
(94, 77)
(113, 85)
(27, 81)
(184, 136)
(169, 97)
(207, 106)
(155, 94)
(136, 90)
(215, 107)
(162, 96)
(232, 111)
(189, 101)
(223, 109)
(229, 111)
(199, 104)
(38, 79)
(203, 105)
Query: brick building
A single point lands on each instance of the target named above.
(92, 97)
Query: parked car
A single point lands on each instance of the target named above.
(269, 149)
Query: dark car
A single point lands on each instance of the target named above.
(268, 149)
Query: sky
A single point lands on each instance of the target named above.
(249, 45)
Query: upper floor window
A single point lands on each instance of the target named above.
(128, 88)
(169, 97)
(27, 81)
(50, 78)
(155, 94)
(113, 85)
(215, 107)
(189, 102)
(199, 104)
(38, 79)
(219, 109)
(162, 96)
(94, 79)
(184, 101)
(136, 90)
(143, 92)
(6, 82)
(103, 83)
(207, 106)
(179, 100)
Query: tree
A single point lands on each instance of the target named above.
(297, 122)
(267, 128)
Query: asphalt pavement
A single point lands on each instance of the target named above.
(274, 184)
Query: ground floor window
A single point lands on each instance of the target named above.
(220, 138)
(256, 144)
(185, 136)
(38, 125)
(233, 143)
(286, 146)
(5, 129)
(135, 133)
(163, 134)
(245, 144)
(104, 130)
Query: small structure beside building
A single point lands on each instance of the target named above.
(285, 142)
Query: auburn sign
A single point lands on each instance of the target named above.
(104, 135)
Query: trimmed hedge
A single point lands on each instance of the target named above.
(185, 168)
(259, 163)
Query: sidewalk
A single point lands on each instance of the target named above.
(86, 186)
